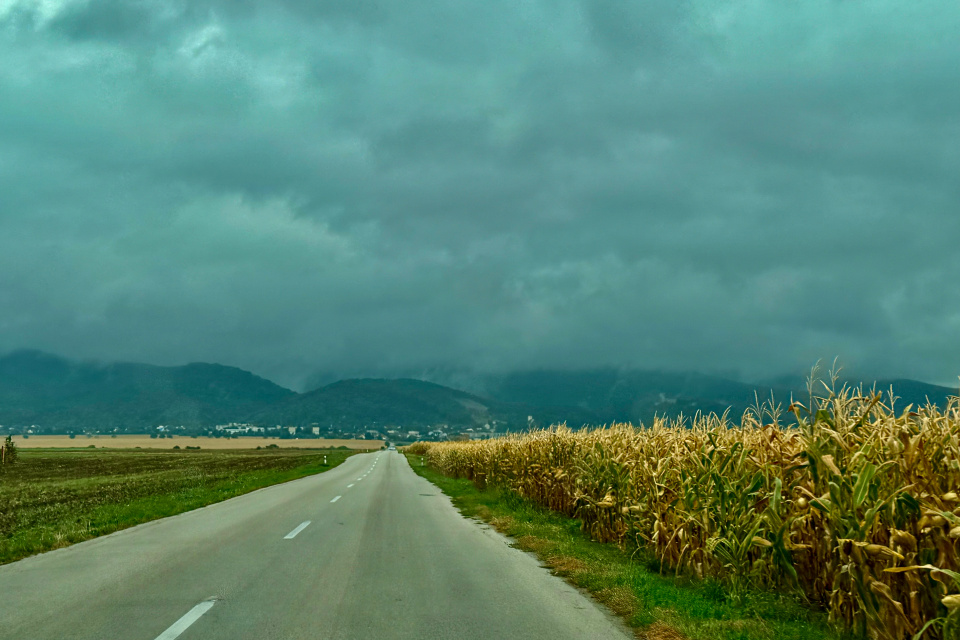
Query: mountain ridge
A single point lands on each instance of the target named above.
(38, 388)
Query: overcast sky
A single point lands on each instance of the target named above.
(364, 186)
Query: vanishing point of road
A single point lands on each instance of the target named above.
(366, 550)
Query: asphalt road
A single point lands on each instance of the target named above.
(366, 550)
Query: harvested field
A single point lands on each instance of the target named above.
(146, 442)
(52, 498)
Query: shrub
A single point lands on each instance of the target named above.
(8, 452)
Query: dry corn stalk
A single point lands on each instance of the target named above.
(852, 503)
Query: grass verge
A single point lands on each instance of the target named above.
(657, 607)
(51, 499)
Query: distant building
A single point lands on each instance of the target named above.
(234, 428)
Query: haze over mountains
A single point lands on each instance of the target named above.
(59, 394)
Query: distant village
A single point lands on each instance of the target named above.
(392, 433)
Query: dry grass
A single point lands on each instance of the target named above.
(502, 524)
(534, 544)
(146, 442)
(851, 503)
(567, 565)
(620, 600)
(660, 631)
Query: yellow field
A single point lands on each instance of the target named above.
(855, 505)
(146, 442)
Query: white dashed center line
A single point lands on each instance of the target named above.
(349, 485)
(335, 499)
(188, 619)
(293, 534)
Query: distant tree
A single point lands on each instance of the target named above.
(8, 452)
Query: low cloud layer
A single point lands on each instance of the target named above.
(360, 186)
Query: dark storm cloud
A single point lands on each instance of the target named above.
(368, 186)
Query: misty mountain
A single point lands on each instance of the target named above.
(914, 392)
(411, 403)
(617, 395)
(628, 396)
(43, 389)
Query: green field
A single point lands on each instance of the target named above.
(658, 607)
(51, 499)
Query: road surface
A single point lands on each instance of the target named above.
(366, 550)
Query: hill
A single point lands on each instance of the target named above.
(39, 388)
(63, 395)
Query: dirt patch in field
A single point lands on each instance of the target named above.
(146, 442)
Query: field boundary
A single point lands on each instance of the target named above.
(144, 441)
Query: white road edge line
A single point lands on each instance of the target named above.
(293, 534)
(335, 499)
(349, 485)
(188, 619)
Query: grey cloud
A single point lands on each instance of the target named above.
(111, 21)
(366, 186)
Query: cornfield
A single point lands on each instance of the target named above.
(847, 502)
